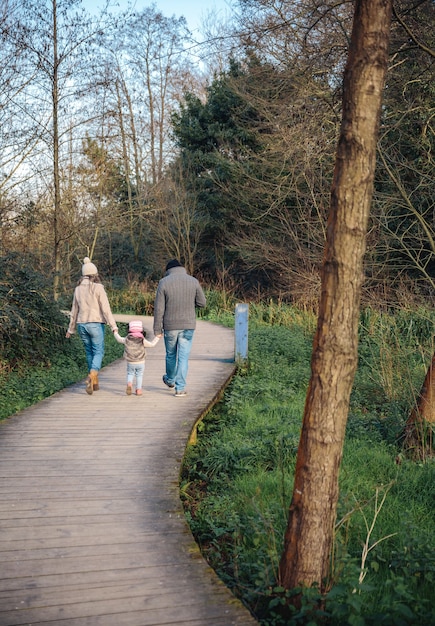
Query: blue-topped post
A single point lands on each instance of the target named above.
(241, 333)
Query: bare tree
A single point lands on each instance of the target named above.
(143, 73)
(19, 132)
(54, 36)
(152, 68)
(308, 539)
(178, 224)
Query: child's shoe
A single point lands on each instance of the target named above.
(138, 392)
(129, 389)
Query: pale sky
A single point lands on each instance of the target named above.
(193, 10)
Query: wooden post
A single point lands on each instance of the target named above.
(241, 333)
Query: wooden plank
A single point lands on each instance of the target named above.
(92, 531)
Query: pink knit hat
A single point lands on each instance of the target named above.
(135, 327)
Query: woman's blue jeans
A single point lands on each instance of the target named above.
(178, 344)
(92, 335)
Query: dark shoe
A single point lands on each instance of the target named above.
(180, 394)
(167, 383)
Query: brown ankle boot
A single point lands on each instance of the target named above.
(89, 385)
(95, 382)
(93, 375)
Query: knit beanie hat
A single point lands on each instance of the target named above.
(135, 327)
(173, 263)
(88, 268)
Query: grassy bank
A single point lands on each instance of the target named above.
(26, 384)
(237, 480)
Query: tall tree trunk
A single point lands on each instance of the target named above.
(418, 440)
(426, 403)
(56, 175)
(132, 217)
(308, 539)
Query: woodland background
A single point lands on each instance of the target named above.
(124, 139)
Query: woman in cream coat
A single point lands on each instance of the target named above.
(89, 313)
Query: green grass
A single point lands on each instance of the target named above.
(237, 480)
(27, 384)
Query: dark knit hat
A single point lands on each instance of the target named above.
(173, 263)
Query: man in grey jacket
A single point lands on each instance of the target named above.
(178, 294)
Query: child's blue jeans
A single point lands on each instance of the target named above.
(135, 370)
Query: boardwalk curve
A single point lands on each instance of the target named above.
(92, 528)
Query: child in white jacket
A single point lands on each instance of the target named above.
(135, 354)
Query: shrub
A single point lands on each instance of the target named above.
(36, 358)
(32, 327)
(136, 300)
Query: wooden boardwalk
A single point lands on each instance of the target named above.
(92, 528)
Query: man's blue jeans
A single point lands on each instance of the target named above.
(92, 335)
(178, 344)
